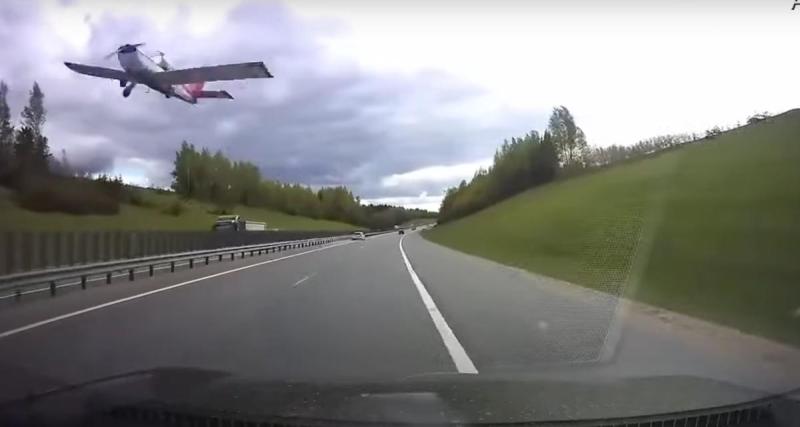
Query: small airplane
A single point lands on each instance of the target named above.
(186, 84)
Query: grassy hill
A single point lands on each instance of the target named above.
(195, 216)
(711, 229)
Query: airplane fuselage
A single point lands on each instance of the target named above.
(143, 69)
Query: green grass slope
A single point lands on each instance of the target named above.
(711, 230)
(195, 216)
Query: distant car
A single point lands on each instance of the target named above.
(401, 231)
(358, 235)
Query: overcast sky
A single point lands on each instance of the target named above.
(397, 100)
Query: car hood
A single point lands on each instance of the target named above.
(429, 399)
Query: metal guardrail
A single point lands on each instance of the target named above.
(16, 284)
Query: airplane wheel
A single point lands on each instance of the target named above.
(126, 92)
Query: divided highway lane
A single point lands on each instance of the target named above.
(352, 311)
(517, 324)
(345, 311)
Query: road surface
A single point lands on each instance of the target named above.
(387, 308)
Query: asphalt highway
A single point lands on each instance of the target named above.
(388, 308)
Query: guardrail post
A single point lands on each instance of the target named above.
(52, 288)
(231, 256)
(220, 257)
(191, 263)
(206, 260)
(108, 278)
(130, 274)
(172, 266)
(83, 282)
(242, 254)
(150, 270)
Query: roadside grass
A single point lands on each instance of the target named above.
(711, 230)
(155, 212)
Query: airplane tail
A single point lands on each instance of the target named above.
(219, 94)
(195, 88)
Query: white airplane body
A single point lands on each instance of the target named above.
(185, 84)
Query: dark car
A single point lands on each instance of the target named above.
(401, 231)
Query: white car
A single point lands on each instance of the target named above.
(358, 235)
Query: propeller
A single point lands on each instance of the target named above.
(124, 47)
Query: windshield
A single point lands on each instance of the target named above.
(439, 209)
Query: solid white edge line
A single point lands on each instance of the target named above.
(155, 291)
(460, 357)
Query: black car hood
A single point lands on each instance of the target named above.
(171, 393)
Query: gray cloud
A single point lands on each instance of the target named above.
(321, 121)
(92, 161)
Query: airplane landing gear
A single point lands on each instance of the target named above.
(122, 83)
(127, 91)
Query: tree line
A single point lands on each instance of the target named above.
(519, 164)
(23, 150)
(43, 183)
(215, 178)
(40, 181)
(601, 156)
(562, 150)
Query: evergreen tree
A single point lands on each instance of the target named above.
(6, 132)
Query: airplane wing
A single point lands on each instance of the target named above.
(106, 73)
(247, 70)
